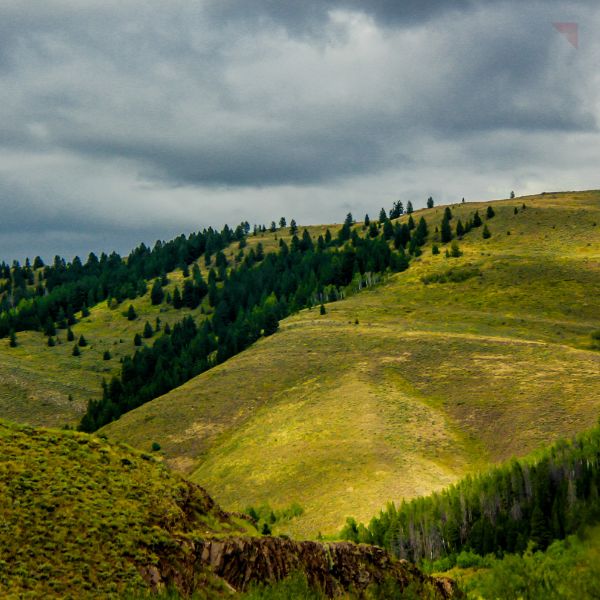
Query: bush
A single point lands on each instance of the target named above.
(155, 447)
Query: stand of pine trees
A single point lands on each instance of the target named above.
(537, 500)
(31, 296)
(249, 303)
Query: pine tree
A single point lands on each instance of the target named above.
(460, 230)
(490, 212)
(455, 250)
(282, 222)
(76, 351)
(477, 222)
(177, 300)
(328, 237)
(448, 213)
(409, 208)
(411, 223)
(445, 230)
(273, 227)
(137, 340)
(51, 342)
(382, 216)
(293, 227)
(131, 314)
(49, 327)
(82, 342)
(322, 310)
(367, 221)
(271, 323)
(512, 195)
(430, 202)
(157, 294)
(435, 249)
(516, 211)
(148, 331)
(486, 233)
(106, 355)
(70, 335)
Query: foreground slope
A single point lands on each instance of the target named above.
(83, 518)
(402, 389)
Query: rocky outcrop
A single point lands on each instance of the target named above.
(334, 568)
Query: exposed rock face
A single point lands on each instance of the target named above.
(335, 568)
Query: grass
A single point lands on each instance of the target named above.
(82, 517)
(436, 380)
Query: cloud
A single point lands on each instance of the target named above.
(124, 119)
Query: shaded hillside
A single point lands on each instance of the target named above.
(84, 518)
(401, 389)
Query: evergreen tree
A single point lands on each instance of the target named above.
(430, 202)
(411, 223)
(490, 212)
(282, 222)
(106, 355)
(76, 351)
(177, 300)
(70, 335)
(516, 211)
(273, 227)
(293, 227)
(82, 342)
(512, 195)
(445, 230)
(85, 311)
(382, 216)
(460, 230)
(448, 213)
(455, 250)
(271, 323)
(157, 294)
(148, 331)
(51, 342)
(477, 222)
(409, 208)
(367, 221)
(486, 233)
(49, 327)
(131, 314)
(373, 230)
(435, 249)
(328, 237)
(137, 340)
(388, 230)
(322, 310)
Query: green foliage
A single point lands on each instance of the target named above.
(70, 335)
(489, 213)
(322, 309)
(430, 202)
(106, 355)
(131, 314)
(452, 275)
(155, 447)
(567, 570)
(157, 294)
(76, 350)
(12, 342)
(538, 500)
(148, 331)
(294, 587)
(455, 251)
(82, 342)
(486, 233)
(95, 513)
(435, 249)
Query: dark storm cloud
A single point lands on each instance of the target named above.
(114, 110)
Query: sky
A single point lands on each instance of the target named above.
(124, 121)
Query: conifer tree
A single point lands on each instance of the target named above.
(367, 221)
(148, 331)
(411, 223)
(460, 230)
(70, 335)
(273, 227)
(409, 208)
(106, 355)
(137, 340)
(448, 213)
(82, 341)
(322, 310)
(12, 342)
(282, 222)
(382, 216)
(477, 222)
(486, 233)
(131, 314)
(490, 212)
(51, 342)
(328, 237)
(430, 202)
(177, 300)
(293, 227)
(445, 230)
(157, 294)
(76, 351)
(85, 311)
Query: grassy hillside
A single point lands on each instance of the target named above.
(402, 389)
(82, 517)
(48, 386)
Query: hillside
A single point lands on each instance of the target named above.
(403, 388)
(86, 518)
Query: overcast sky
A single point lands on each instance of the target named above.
(125, 121)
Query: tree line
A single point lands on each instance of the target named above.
(248, 301)
(534, 500)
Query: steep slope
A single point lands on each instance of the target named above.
(85, 518)
(401, 389)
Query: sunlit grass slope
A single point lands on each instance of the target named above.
(85, 518)
(402, 389)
